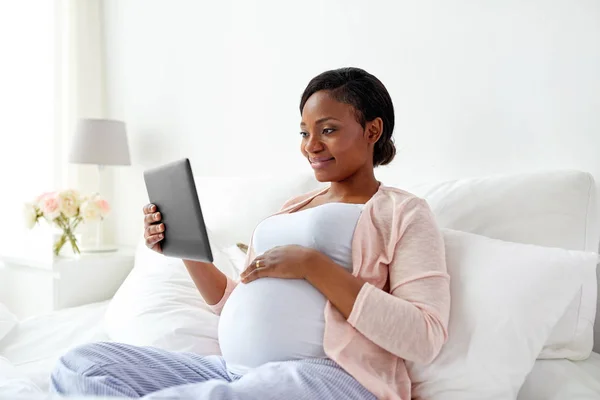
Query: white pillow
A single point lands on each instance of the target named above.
(506, 298)
(553, 209)
(7, 321)
(237, 258)
(158, 305)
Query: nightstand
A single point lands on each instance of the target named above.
(32, 287)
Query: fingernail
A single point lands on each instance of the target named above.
(156, 216)
(153, 208)
(161, 236)
(161, 227)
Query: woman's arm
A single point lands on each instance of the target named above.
(412, 320)
(219, 293)
(211, 282)
(339, 286)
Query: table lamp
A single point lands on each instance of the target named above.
(102, 142)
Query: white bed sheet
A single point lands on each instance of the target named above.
(35, 345)
(563, 379)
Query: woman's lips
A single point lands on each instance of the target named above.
(319, 163)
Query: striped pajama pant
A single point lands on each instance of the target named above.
(114, 369)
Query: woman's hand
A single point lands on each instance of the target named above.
(286, 262)
(153, 228)
(338, 285)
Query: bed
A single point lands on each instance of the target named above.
(39, 341)
(563, 379)
(158, 289)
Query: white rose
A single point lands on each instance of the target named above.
(90, 211)
(29, 215)
(69, 202)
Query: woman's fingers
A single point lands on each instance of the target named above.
(152, 240)
(149, 208)
(154, 230)
(250, 267)
(255, 270)
(152, 218)
(256, 273)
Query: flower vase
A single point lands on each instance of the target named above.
(65, 243)
(64, 211)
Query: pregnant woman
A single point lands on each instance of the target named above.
(341, 286)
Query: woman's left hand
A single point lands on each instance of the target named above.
(286, 262)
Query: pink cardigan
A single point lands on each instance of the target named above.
(402, 312)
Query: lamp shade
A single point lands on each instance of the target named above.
(100, 141)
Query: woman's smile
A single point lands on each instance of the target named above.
(320, 162)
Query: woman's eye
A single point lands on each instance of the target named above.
(303, 134)
(327, 131)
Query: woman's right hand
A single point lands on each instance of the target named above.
(153, 228)
(209, 280)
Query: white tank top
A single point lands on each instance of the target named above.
(273, 319)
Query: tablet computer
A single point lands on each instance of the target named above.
(172, 189)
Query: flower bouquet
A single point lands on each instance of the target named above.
(66, 210)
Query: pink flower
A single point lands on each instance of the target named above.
(50, 206)
(40, 197)
(103, 206)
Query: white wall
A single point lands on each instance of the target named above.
(479, 87)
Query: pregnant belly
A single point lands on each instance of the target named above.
(271, 320)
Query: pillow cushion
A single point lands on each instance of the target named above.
(237, 256)
(506, 299)
(553, 209)
(7, 321)
(158, 305)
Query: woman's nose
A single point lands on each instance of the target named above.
(313, 144)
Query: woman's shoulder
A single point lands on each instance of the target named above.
(400, 207)
(395, 209)
(395, 197)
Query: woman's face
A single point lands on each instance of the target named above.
(334, 143)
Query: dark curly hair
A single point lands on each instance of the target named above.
(369, 98)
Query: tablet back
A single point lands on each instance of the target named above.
(172, 189)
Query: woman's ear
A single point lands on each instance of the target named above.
(374, 130)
